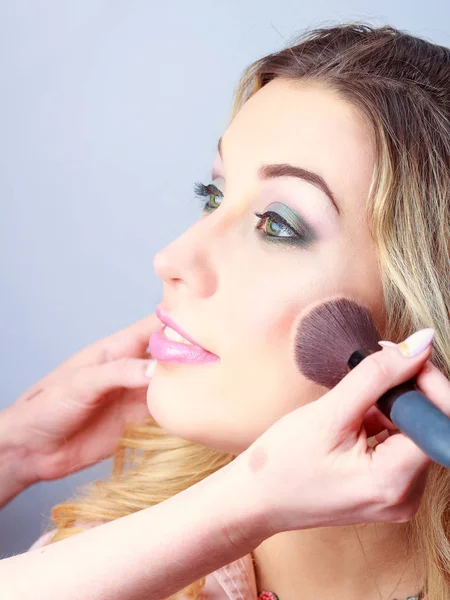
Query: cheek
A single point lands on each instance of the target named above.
(270, 309)
(262, 307)
(356, 273)
(261, 367)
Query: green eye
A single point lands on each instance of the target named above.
(272, 227)
(277, 230)
(211, 192)
(212, 202)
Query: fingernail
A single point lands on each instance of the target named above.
(386, 343)
(414, 344)
(150, 368)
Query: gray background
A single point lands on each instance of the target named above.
(109, 111)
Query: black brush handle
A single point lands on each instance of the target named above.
(414, 414)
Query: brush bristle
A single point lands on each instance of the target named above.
(328, 335)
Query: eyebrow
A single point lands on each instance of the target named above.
(286, 170)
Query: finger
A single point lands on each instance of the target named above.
(353, 396)
(94, 381)
(435, 385)
(407, 459)
(383, 435)
(131, 341)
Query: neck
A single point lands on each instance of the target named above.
(370, 561)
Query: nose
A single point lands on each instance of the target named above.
(189, 260)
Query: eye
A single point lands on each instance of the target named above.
(276, 225)
(272, 227)
(210, 192)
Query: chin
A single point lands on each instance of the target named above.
(170, 411)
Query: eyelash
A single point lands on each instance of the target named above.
(205, 191)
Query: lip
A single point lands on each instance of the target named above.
(164, 318)
(161, 348)
(165, 350)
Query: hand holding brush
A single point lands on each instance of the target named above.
(314, 467)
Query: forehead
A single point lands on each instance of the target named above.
(308, 125)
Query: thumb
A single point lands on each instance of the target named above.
(94, 381)
(358, 391)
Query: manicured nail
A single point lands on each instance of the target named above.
(415, 344)
(150, 368)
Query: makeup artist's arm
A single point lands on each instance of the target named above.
(130, 558)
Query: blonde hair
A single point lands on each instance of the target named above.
(401, 86)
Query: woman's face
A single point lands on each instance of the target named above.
(238, 284)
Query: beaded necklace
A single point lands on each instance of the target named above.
(265, 595)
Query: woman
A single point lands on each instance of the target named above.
(362, 114)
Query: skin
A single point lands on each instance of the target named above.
(242, 296)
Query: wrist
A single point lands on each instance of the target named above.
(14, 457)
(247, 521)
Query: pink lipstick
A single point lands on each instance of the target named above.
(167, 350)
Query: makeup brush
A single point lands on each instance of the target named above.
(333, 338)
